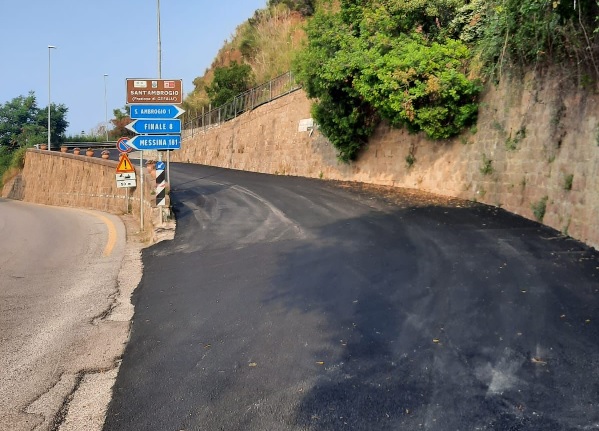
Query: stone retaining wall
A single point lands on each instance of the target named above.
(64, 179)
(534, 152)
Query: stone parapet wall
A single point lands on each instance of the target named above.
(536, 144)
(64, 179)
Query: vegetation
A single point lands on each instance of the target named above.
(228, 82)
(86, 138)
(122, 117)
(24, 125)
(418, 64)
(519, 33)
(568, 180)
(387, 60)
(421, 64)
(266, 42)
(539, 208)
(511, 144)
(487, 166)
(304, 7)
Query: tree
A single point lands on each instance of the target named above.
(228, 82)
(22, 123)
(18, 121)
(327, 73)
(58, 122)
(119, 123)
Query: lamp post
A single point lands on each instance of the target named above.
(50, 47)
(105, 109)
(159, 41)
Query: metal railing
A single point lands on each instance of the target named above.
(275, 88)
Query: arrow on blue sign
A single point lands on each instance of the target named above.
(155, 142)
(155, 127)
(155, 111)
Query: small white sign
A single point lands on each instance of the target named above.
(305, 125)
(125, 176)
(125, 180)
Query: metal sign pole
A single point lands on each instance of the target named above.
(141, 194)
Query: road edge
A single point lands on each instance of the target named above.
(86, 406)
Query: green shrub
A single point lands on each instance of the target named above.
(392, 62)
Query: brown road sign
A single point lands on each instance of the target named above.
(154, 91)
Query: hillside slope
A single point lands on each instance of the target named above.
(267, 42)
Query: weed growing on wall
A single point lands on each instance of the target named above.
(539, 208)
(511, 144)
(568, 182)
(487, 166)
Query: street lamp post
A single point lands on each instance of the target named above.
(50, 47)
(105, 109)
(159, 42)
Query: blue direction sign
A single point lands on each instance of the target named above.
(155, 111)
(155, 127)
(155, 142)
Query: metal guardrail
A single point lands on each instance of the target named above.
(275, 88)
(100, 144)
(83, 145)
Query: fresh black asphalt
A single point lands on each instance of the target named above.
(293, 304)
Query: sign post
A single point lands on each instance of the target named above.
(153, 108)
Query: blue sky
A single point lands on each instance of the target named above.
(116, 37)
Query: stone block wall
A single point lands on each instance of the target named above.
(534, 150)
(64, 179)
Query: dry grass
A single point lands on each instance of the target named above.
(267, 42)
(402, 197)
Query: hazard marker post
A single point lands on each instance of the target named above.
(160, 184)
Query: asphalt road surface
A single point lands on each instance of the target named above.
(58, 278)
(293, 304)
